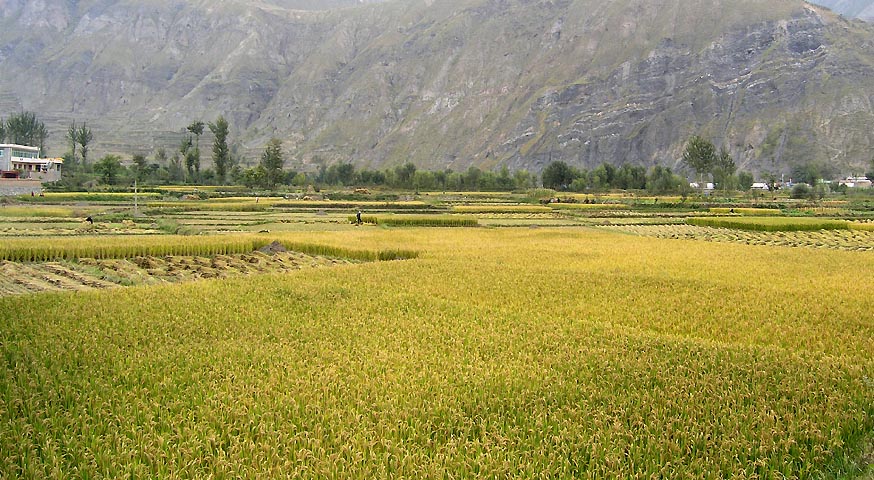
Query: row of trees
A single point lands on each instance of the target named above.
(659, 179)
(24, 129)
(110, 170)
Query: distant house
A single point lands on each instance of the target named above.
(707, 186)
(856, 182)
(20, 161)
(761, 186)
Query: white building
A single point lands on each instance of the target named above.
(760, 186)
(19, 161)
(856, 182)
(707, 186)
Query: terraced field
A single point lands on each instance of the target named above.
(603, 344)
(851, 240)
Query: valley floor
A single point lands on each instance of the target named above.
(524, 352)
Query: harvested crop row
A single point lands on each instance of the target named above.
(851, 240)
(417, 220)
(748, 211)
(89, 273)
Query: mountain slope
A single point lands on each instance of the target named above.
(453, 83)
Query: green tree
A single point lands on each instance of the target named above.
(771, 181)
(141, 167)
(2, 131)
(346, 173)
(272, 162)
(630, 177)
(745, 181)
(471, 178)
(523, 179)
(108, 168)
(557, 176)
(161, 157)
(194, 154)
(661, 180)
(221, 156)
(404, 175)
(700, 156)
(870, 174)
(72, 137)
(84, 137)
(601, 177)
(175, 170)
(186, 149)
(299, 180)
(724, 169)
(197, 129)
(25, 129)
(808, 172)
(254, 177)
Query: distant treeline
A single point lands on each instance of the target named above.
(110, 170)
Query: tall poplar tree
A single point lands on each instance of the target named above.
(220, 153)
(84, 138)
(272, 161)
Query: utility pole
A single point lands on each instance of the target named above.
(136, 203)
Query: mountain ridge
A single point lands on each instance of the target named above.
(454, 83)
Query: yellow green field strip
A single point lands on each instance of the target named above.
(770, 224)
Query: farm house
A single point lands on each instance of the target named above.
(20, 161)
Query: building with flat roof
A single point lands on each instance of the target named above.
(20, 161)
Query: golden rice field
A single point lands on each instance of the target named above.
(497, 353)
(854, 240)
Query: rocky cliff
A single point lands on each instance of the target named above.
(452, 83)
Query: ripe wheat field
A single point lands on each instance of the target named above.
(524, 353)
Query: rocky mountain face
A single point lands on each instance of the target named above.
(451, 83)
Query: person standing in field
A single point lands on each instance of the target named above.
(358, 217)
